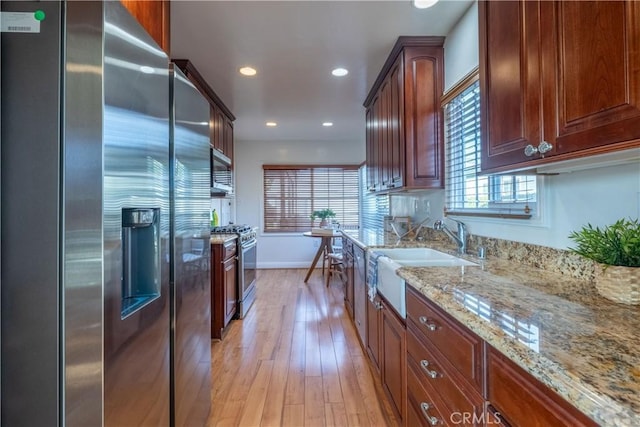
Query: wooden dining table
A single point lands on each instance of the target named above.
(325, 245)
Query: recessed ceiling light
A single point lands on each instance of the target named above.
(146, 69)
(248, 71)
(327, 124)
(339, 72)
(271, 124)
(423, 4)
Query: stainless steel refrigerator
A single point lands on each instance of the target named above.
(104, 207)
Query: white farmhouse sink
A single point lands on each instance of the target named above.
(421, 257)
(392, 286)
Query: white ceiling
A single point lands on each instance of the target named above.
(294, 45)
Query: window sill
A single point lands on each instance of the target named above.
(500, 215)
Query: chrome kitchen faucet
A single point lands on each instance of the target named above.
(460, 239)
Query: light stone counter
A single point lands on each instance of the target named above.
(557, 328)
(553, 325)
(222, 238)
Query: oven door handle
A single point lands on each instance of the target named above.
(249, 244)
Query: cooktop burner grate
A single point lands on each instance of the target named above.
(232, 228)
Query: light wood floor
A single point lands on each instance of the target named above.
(295, 360)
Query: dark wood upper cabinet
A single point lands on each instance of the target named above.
(227, 146)
(220, 118)
(404, 123)
(596, 66)
(155, 17)
(423, 121)
(510, 93)
(562, 73)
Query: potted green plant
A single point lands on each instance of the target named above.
(616, 249)
(323, 214)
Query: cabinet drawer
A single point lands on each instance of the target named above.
(436, 373)
(424, 407)
(522, 400)
(456, 343)
(229, 249)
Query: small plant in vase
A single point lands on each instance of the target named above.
(616, 249)
(323, 214)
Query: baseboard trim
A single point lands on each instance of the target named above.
(274, 265)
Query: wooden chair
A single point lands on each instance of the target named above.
(336, 248)
(335, 267)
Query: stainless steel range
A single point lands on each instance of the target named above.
(247, 257)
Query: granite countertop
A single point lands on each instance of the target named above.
(366, 238)
(221, 238)
(556, 327)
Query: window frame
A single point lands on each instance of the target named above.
(300, 221)
(496, 208)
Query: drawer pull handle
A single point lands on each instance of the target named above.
(424, 407)
(425, 321)
(424, 364)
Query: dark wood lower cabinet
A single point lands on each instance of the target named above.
(347, 256)
(436, 371)
(360, 294)
(374, 329)
(424, 408)
(522, 400)
(393, 358)
(457, 345)
(461, 404)
(224, 286)
(231, 290)
(445, 371)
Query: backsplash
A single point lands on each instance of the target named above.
(417, 205)
(550, 259)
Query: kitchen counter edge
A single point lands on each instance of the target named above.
(222, 238)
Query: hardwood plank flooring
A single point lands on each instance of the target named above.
(295, 360)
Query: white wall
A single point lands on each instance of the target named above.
(597, 196)
(283, 250)
(224, 206)
(462, 45)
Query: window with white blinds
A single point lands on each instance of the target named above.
(467, 191)
(373, 207)
(292, 193)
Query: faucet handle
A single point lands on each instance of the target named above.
(460, 223)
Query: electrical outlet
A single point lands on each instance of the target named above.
(426, 207)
